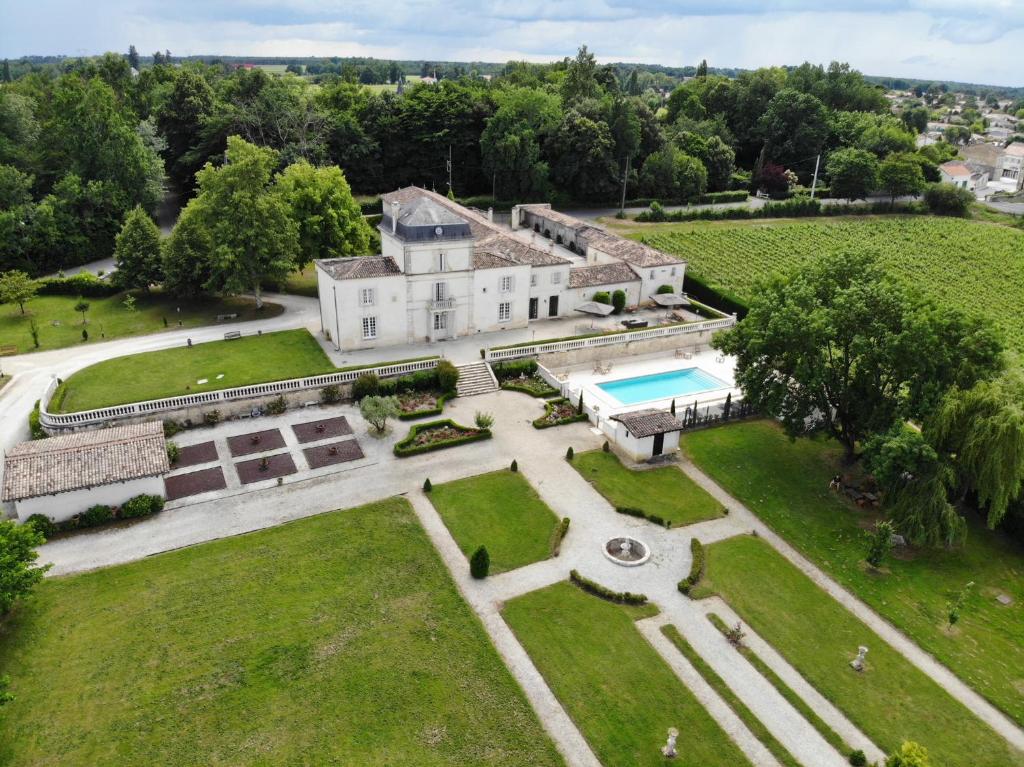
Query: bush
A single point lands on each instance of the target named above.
(947, 200)
(557, 535)
(618, 301)
(619, 597)
(514, 369)
(141, 506)
(95, 515)
(569, 453)
(330, 394)
(483, 420)
(664, 289)
(514, 467)
(480, 563)
(427, 487)
(173, 453)
(858, 759)
(34, 426)
(82, 284)
(606, 447)
(697, 565)
(211, 418)
(713, 198)
(601, 297)
(43, 525)
(655, 215)
(367, 385)
(446, 375)
(277, 406)
(641, 514)
(172, 427)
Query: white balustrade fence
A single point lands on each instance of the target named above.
(100, 416)
(609, 339)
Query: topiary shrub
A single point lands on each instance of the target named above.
(330, 394)
(515, 466)
(43, 525)
(427, 487)
(619, 597)
(447, 376)
(618, 301)
(569, 453)
(858, 759)
(602, 297)
(95, 515)
(367, 385)
(557, 535)
(606, 447)
(480, 563)
(697, 564)
(663, 289)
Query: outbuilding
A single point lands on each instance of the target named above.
(645, 434)
(63, 476)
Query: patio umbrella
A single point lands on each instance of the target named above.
(670, 299)
(593, 307)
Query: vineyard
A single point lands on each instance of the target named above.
(975, 267)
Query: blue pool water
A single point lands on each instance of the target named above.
(675, 383)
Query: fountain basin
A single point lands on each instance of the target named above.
(626, 551)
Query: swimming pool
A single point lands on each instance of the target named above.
(674, 383)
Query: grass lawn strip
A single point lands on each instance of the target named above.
(616, 688)
(501, 511)
(172, 372)
(786, 484)
(664, 491)
(891, 701)
(109, 318)
(718, 684)
(831, 736)
(337, 639)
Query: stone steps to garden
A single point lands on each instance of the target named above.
(476, 378)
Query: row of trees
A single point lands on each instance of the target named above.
(842, 347)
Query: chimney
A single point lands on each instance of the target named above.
(490, 214)
(395, 207)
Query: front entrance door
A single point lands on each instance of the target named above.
(659, 444)
(553, 306)
(534, 302)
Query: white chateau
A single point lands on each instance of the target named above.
(447, 271)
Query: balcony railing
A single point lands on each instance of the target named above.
(442, 304)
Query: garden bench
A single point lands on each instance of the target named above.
(8, 349)
(222, 317)
(232, 335)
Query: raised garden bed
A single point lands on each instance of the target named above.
(194, 483)
(311, 431)
(337, 452)
(437, 435)
(255, 470)
(255, 442)
(193, 455)
(533, 385)
(420, 404)
(558, 412)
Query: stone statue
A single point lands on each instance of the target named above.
(858, 662)
(669, 748)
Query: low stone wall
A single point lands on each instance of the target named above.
(692, 342)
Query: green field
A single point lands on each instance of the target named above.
(972, 266)
(786, 484)
(109, 318)
(664, 491)
(891, 701)
(169, 372)
(500, 511)
(274, 648)
(613, 684)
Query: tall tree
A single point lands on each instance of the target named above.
(133, 57)
(581, 77)
(853, 173)
(793, 127)
(137, 251)
(900, 174)
(18, 572)
(582, 153)
(511, 143)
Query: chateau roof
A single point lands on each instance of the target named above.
(359, 267)
(601, 274)
(84, 459)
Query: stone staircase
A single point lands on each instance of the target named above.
(476, 378)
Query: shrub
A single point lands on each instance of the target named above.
(172, 427)
(879, 543)
(557, 535)
(664, 289)
(515, 466)
(34, 426)
(483, 420)
(619, 597)
(606, 447)
(330, 394)
(211, 418)
(407, 446)
(377, 410)
(141, 506)
(569, 453)
(619, 301)
(858, 759)
(95, 515)
(656, 214)
(549, 409)
(43, 525)
(82, 284)
(427, 487)
(514, 369)
(947, 200)
(367, 385)
(602, 297)
(447, 376)
(173, 453)
(641, 514)
(480, 563)
(697, 564)
(277, 406)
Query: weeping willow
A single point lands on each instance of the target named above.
(921, 510)
(982, 431)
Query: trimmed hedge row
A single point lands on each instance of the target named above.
(697, 565)
(405, 447)
(100, 514)
(592, 587)
(557, 535)
(514, 369)
(549, 408)
(795, 207)
(431, 411)
(34, 425)
(540, 393)
(641, 514)
(82, 284)
(695, 287)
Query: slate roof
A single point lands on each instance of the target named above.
(425, 212)
(600, 274)
(359, 267)
(83, 460)
(647, 423)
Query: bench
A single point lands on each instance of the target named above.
(232, 335)
(8, 350)
(222, 317)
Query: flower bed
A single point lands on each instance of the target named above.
(420, 404)
(558, 412)
(533, 385)
(437, 435)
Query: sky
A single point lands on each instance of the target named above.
(978, 41)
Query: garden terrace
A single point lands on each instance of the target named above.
(311, 431)
(193, 455)
(255, 442)
(334, 453)
(437, 435)
(296, 652)
(266, 467)
(194, 482)
(500, 511)
(786, 484)
(558, 412)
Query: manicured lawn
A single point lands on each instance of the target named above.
(169, 372)
(786, 484)
(500, 511)
(338, 639)
(108, 318)
(891, 701)
(664, 491)
(614, 685)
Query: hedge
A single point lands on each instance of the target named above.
(697, 565)
(34, 426)
(430, 411)
(100, 514)
(795, 207)
(641, 514)
(695, 287)
(557, 535)
(405, 447)
(514, 369)
(82, 284)
(549, 408)
(619, 597)
(549, 391)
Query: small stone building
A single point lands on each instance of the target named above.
(646, 434)
(63, 476)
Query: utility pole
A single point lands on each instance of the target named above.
(449, 169)
(625, 175)
(814, 183)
